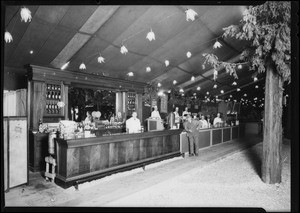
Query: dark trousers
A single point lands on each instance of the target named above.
(193, 143)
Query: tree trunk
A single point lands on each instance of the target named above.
(272, 142)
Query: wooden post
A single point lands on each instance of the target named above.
(272, 142)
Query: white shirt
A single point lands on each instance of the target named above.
(155, 114)
(204, 124)
(177, 117)
(133, 125)
(185, 112)
(217, 120)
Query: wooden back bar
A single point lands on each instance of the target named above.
(82, 158)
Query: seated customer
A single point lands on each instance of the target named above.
(155, 114)
(133, 124)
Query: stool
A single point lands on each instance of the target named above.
(50, 160)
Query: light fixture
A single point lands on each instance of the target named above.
(255, 79)
(203, 66)
(245, 95)
(215, 74)
(238, 89)
(159, 84)
(216, 97)
(7, 37)
(217, 45)
(101, 59)
(181, 90)
(123, 50)
(222, 91)
(174, 82)
(198, 88)
(25, 14)
(188, 54)
(82, 66)
(192, 78)
(190, 14)
(256, 87)
(148, 69)
(194, 94)
(182, 94)
(130, 74)
(255, 98)
(65, 65)
(150, 36)
(240, 66)
(207, 93)
(215, 86)
(169, 91)
(230, 96)
(234, 83)
(31, 51)
(167, 63)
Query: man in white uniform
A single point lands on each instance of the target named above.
(133, 124)
(155, 114)
(218, 119)
(203, 122)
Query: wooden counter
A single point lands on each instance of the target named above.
(85, 159)
(210, 136)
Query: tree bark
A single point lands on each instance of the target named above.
(272, 142)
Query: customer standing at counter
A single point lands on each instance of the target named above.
(185, 113)
(177, 116)
(155, 114)
(133, 124)
(88, 118)
(203, 122)
(218, 119)
(191, 127)
(119, 117)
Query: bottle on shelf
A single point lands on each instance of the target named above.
(56, 96)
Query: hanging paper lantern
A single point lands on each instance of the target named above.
(82, 66)
(215, 74)
(188, 54)
(124, 50)
(167, 63)
(130, 74)
(192, 78)
(25, 14)
(7, 37)
(198, 88)
(174, 82)
(159, 84)
(150, 36)
(181, 90)
(101, 59)
(217, 45)
(148, 69)
(190, 14)
(215, 86)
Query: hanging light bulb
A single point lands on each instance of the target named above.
(256, 87)
(7, 37)
(123, 50)
(188, 54)
(190, 14)
(230, 96)
(65, 65)
(198, 88)
(159, 84)
(167, 63)
(240, 66)
(101, 59)
(245, 95)
(203, 66)
(181, 90)
(192, 78)
(215, 74)
(207, 93)
(238, 89)
(82, 66)
(174, 82)
(25, 14)
(150, 36)
(234, 83)
(222, 91)
(169, 91)
(215, 86)
(217, 45)
(148, 69)
(130, 74)
(255, 79)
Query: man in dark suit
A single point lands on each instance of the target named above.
(191, 126)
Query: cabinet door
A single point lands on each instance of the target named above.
(17, 145)
(5, 133)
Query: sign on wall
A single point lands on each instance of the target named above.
(164, 104)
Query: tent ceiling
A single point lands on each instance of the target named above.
(58, 34)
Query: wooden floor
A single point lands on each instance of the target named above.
(39, 192)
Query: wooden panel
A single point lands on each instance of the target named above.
(129, 150)
(5, 147)
(121, 147)
(148, 147)
(38, 104)
(113, 154)
(95, 158)
(184, 143)
(84, 159)
(204, 139)
(38, 150)
(104, 156)
(143, 153)
(62, 161)
(73, 162)
(226, 134)
(18, 151)
(21, 102)
(235, 132)
(216, 136)
(136, 150)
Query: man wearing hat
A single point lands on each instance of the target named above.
(191, 126)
